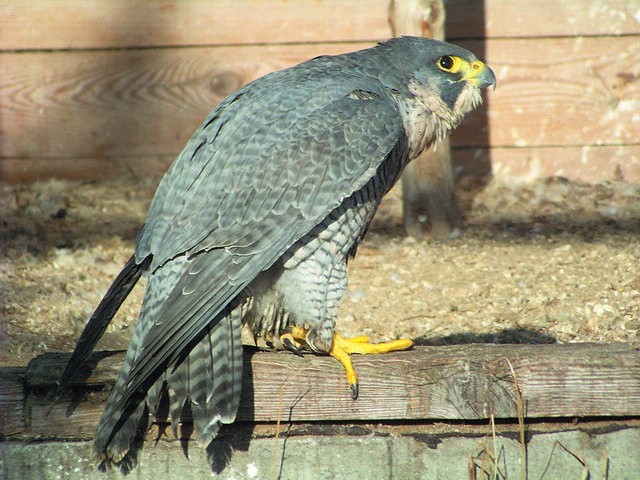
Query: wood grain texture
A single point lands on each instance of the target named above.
(541, 18)
(128, 102)
(12, 395)
(467, 382)
(16, 170)
(93, 24)
(59, 24)
(559, 92)
(89, 102)
(586, 163)
(148, 102)
(429, 207)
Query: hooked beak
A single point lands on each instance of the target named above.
(480, 75)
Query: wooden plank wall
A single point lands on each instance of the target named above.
(93, 89)
(568, 97)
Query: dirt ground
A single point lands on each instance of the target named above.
(547, 261)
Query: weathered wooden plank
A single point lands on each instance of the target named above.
(587, 163)
(12, 418)
(48, 420)
(60, 24)
(15, 170)
(559, 91)
(541, 18)
(454, 382)
(130, 103)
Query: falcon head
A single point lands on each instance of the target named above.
(438, 84)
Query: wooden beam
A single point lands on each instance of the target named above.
(462, 382)
(114, 88)
(16, 170)
(588, 163)
(60, 24)
(590, 97)
(553, 18)
(96, 24)
(12, 396)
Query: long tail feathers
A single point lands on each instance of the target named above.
(97, 324)
(214, 378)
(207, 381)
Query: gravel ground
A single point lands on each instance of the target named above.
(548, 261)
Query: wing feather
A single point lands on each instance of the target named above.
(316, 169)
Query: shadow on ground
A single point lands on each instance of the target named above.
(508, 336)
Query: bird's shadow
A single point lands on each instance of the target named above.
(230, 438)
(506, 336)
(81, 377)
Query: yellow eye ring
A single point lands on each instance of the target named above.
(449, 63)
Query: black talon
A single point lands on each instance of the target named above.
(292, 347)
(354, 391)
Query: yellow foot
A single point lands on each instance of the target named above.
(342, 349)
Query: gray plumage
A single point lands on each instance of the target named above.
(256, 218)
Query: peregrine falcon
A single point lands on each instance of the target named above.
(254, 222)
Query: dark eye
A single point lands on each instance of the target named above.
(446, 62)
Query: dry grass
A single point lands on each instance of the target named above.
(486, 465)
(542, 262)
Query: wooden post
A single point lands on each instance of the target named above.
(429, 204)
